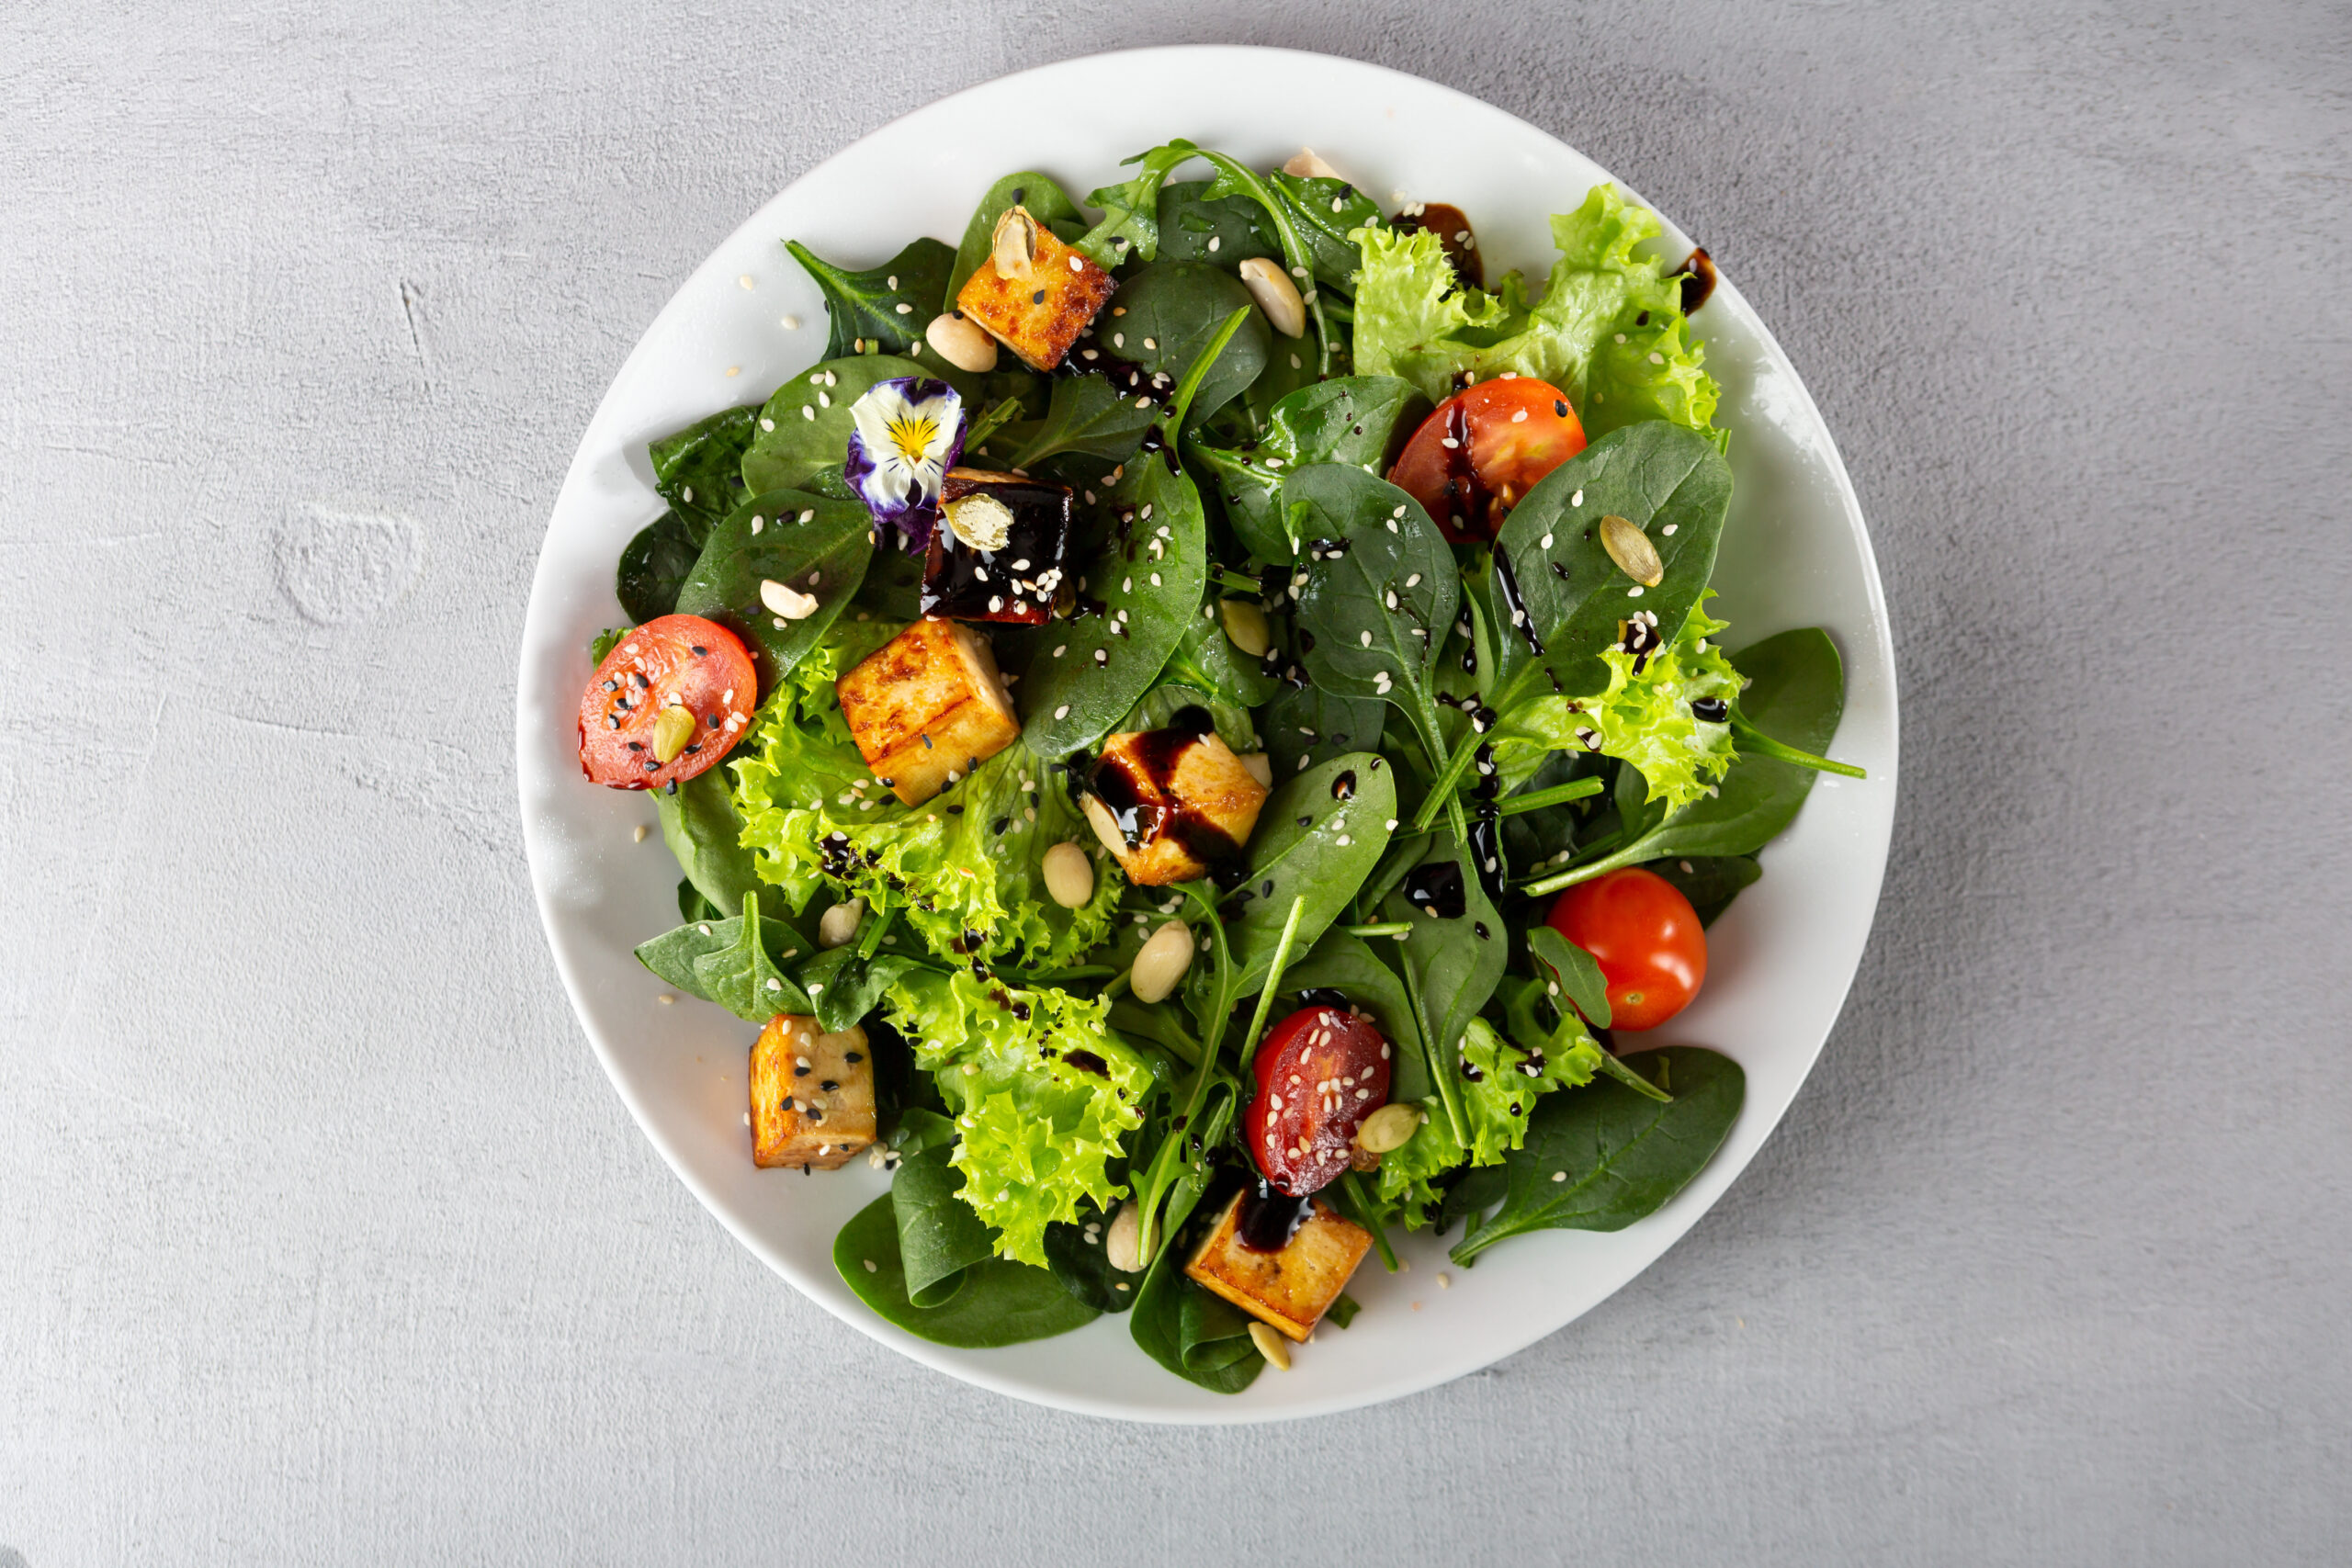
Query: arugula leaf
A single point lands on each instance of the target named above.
(1501, 1084)
(1796, 686)
(1570, 969)
(1234, 179)
(1361, 421)
(1381, 591)
(1041, 1090)
(604, 641)
(728, 962)
(699, 470)
(1086, 415)
(1046, 201)
(1130, 220)
(997, 1302)
(885, 308)
(1090, 670)
(804, 430)
(1600, 1159)
(1318, 837)
(654, 566)
(1451, 964)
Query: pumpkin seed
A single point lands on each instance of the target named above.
(1388, 1128)
(1631, 550)
(1014, 245)
(672, 730)
(1244, 627)
(1271, 1345)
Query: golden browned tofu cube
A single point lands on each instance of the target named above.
(1290, 1289)
(1039, 314)
(927, 708)
(813, 1094)
(1168, 802)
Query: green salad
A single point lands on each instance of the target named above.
(1198, 734)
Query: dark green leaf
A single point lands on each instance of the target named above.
(999, 1302)
(1325, 212)
(1226, 231)
(1671, 482)
(812, 545)
(717, 961)
(1046, 201)
(1452, 965)
(1141, 610)
(1710, 882)
(1207, 662)
(1307, 725)
(803, 433)
(1616, 1155)
(603, 642)
(1130, 222)
(654, 567)
(704, 834)
(864, 307)
(1379, 602)
(1342, 1310)
(1172, 311)
(1318, 836)
(1575, 972)
(846, 986)
(692, 906)
(1359, 420)
(699, 470)
(939, 1237)
(1083, 1266)
(1348, 965)
(1199, 1337)
(1088, 416)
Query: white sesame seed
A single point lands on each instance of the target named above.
(1634, 592)
(807, 412)
(1063, 712)
(1669, 528)
(1576, 500)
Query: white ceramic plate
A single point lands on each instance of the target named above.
(1794, 553)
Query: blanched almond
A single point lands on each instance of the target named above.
(1276, 295)
(961, 342)
(1162, 963)
(782, 599)
(1260, 766)
(1271, 1345)
(1069, 876)
(1308, 164)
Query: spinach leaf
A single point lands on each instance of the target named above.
(1226, 232)
(1207, 662)
(939, 1237)
(886, 309)
(654, 567)
(1130, 220)
(1234, 179)
(704, 834)
(1157, 708)
(1710, 882)
(1361, 421)
(693, 908)
(1565, 967)
(846, 987)
(1324, 211)
(1451, 964)
(1603, 1156)
(699, 470)
(1166, 317)
(1347, 964)
(1201, 1337)
(813, 545)
(1671, 482)
(1796, 692)
(999, 1302)
(1047, 202)
(1307, 725)
(1083, 1266)
(1087, 416)
(1143, 589)
(1380, 595)
(1318, 837)
(728, 962)
(804, 430)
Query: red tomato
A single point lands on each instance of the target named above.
(674, 660)
(1646, 937)
(1505, 435)
(1320, 1072)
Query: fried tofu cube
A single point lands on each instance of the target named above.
(1170, 802)
(1038, 314)
(1291, 1289)
(813, 1094)
(927, 708)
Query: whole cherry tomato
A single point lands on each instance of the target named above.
(1483, 449)
(1320, 1072)
(1646, 939)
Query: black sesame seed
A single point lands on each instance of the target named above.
(700, 651)
(853, 1057)
(784, 1104)
(799, 1072)
(926, 742)
(828, 1085)
(1038, 297)
(1560, 407)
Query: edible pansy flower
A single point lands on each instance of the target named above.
(906, 434)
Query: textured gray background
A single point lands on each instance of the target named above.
(321, 1236)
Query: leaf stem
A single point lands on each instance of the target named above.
(1447, 1095)
(1754, 739)
(1360, 1202)
(1399, 929)
(1181, 403)
(1558, 794)
(875, 932)
(1273, 979)
(1443, 790)
(1624, 1074)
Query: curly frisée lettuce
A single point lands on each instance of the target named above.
(963, 869)
(1646, 718)
(1608, 331)
(1041, 1092)
(1499, 1084)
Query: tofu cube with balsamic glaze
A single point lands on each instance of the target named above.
(813, 1094)
(1039, 314)
(1291, 1287)
(1172, 803)
(927, 708)
(998, 551)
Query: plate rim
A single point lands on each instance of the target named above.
(1681, 1214)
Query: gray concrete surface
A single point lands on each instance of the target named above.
(321, 1236)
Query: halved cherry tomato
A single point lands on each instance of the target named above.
(1320, 1072)
(1646, 939)
(675, 661)
(1504, 436)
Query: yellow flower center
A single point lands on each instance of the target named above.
(913, 436)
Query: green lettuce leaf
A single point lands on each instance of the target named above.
(1495, 1104)
(963, 870)
(1641, 717)
(1041, 1091)
(1608, 331)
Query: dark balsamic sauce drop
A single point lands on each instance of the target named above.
(1452, 227)
(1436, 889)
(1135, 786)
(1514, 601)
(1323, 996)
(1268, 1219)
(1698, 275)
